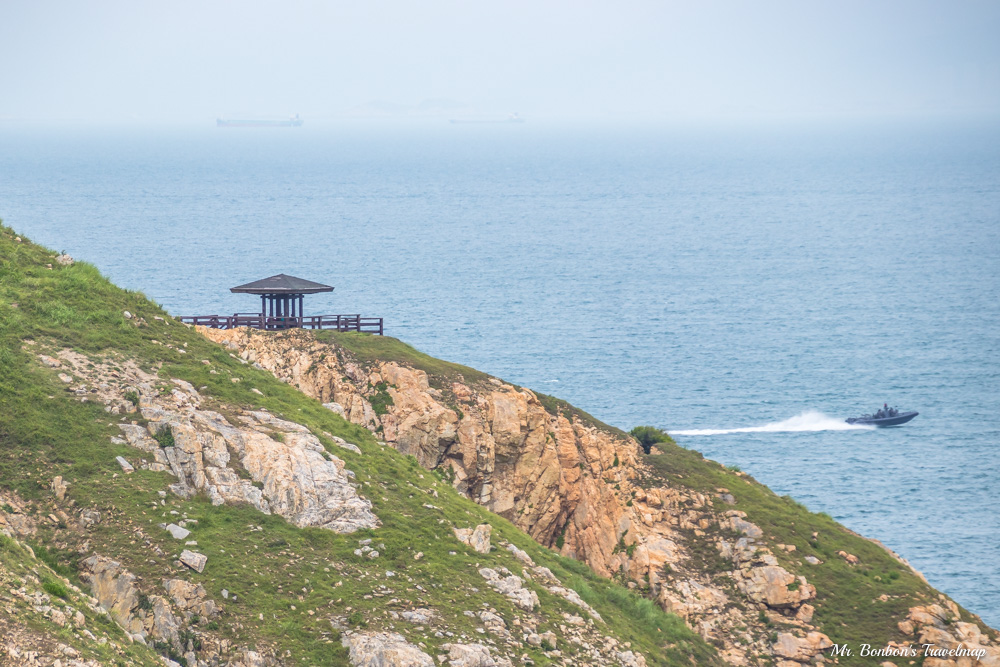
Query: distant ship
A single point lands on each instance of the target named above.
(513, 118)
(294, 121)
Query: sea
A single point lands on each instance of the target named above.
(745, 285)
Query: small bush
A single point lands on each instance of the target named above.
(165, 436)
(53, 587)
(649, 436)
(381, 399)
(356, 619)
(132, 397)
(144, 603)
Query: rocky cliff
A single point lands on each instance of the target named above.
(674, 526)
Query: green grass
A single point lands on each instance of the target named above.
(558, 406)
(278, 571)
(367, 348)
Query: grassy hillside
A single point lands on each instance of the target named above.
(285, 583)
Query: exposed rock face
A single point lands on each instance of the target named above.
(115, 589)
(955, 643)
(286, 469)
(155, 618)
(551, 475)
(384, 649)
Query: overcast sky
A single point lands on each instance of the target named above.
(187, 60)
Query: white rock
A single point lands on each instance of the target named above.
(520, 555)
(478, 538)
(472, 655)
(384, 649)
(336, 407)
(178, 532)
(126, 466)
(194, 560)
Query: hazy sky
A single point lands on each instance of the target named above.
(180, 60)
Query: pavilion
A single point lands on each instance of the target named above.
(282, 307)
(281, 295)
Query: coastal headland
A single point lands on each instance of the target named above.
(269, 498)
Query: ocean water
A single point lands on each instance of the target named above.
(745, 287)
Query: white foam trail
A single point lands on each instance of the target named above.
(810, 420)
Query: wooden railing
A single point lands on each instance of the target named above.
(257, 321)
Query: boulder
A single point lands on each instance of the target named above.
(384, 649)
(194, 560)
(478, 538)
(473, 655)
(59, 488)
(177, 532)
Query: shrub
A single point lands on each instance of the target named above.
(649, 436)
(165, 436)
(53, 587)
(381, 399)
(132, 397)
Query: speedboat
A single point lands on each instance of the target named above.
(894, 420)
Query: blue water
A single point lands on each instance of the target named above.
(701, 279)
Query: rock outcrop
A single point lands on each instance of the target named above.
(947, 641)
(478, 538)
(384, 649)
(272, 464)
(165, 621)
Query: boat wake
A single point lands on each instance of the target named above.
(810, 420)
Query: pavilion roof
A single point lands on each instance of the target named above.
(281, 284)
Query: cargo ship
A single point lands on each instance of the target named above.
(294, 121)
(512, 118)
